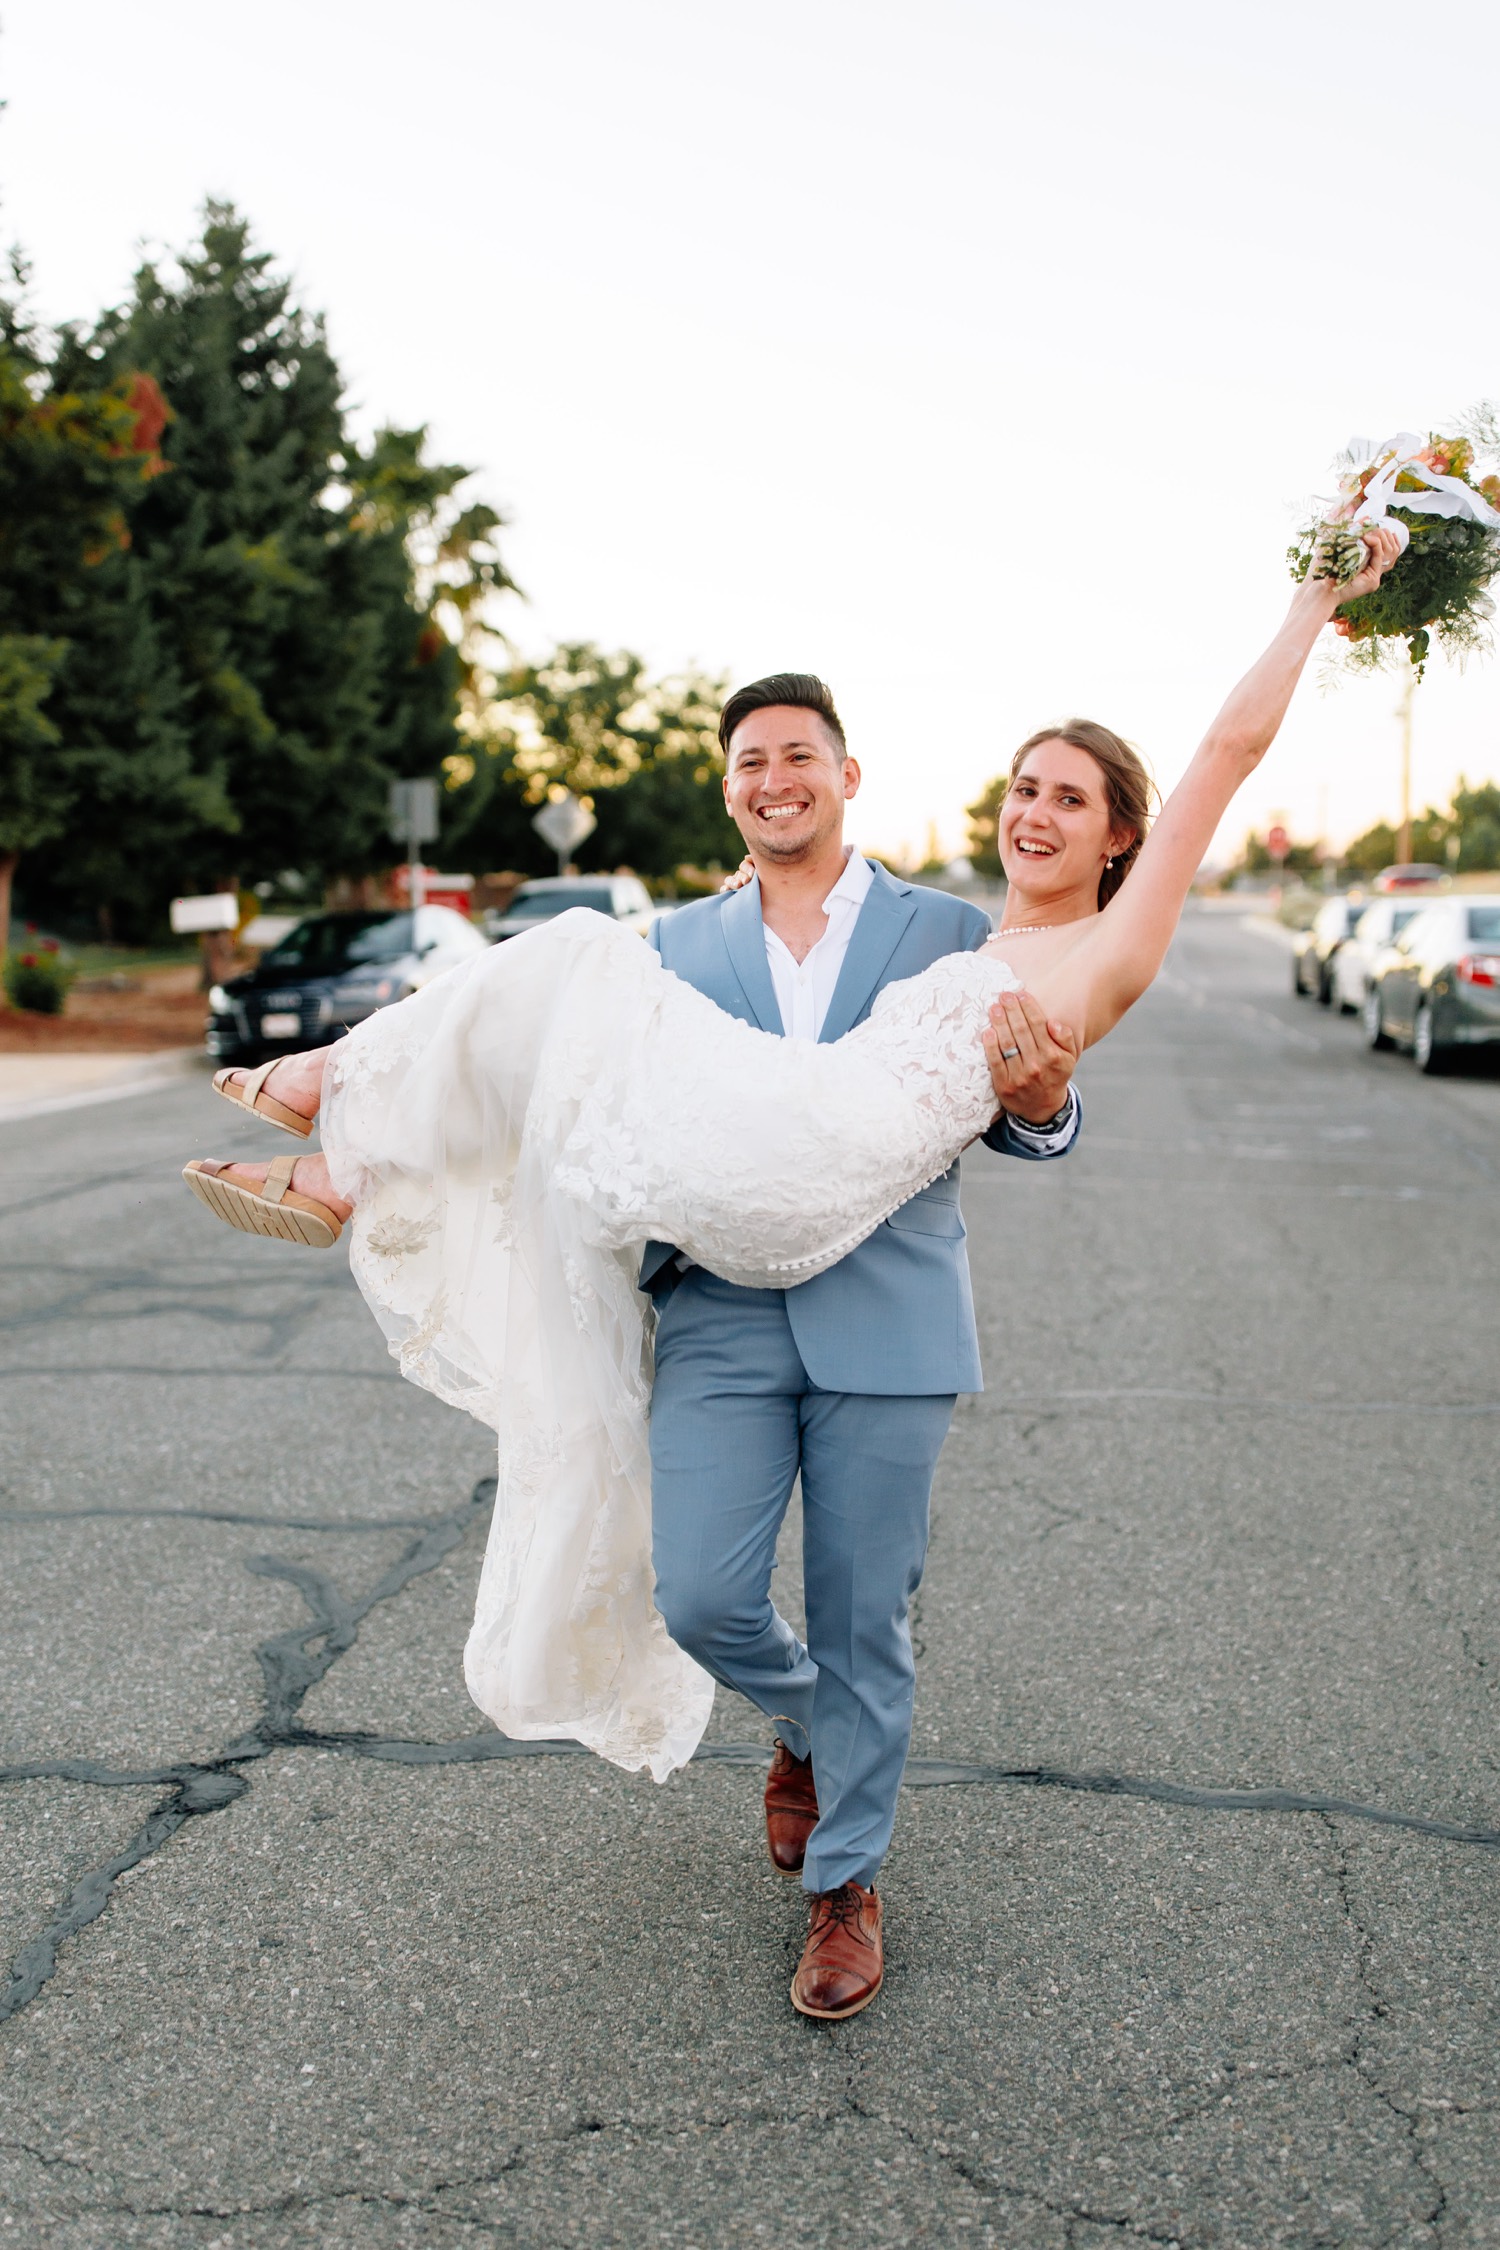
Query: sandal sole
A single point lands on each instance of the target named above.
(296, 1218)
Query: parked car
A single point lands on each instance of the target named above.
(1436, 989)
(1381, 921)
(329, 972)
(1313, 953)
(624, 898)
(1418, 875)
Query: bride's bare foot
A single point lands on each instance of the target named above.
(309, 1178)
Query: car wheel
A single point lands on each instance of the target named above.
(1428, 1052)
(1377, 1038)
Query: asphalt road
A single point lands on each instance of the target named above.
(1193, 1929)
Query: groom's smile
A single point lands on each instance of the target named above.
(785, 784)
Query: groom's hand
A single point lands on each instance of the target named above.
(1031, 1060)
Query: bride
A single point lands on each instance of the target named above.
(503, 1143)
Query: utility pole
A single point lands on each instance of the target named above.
(1403, 708)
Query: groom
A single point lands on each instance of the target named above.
(849, 1379)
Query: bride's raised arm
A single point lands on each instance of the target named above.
(1111, 966)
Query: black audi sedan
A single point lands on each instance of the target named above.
(1436, 988)
(329, 973)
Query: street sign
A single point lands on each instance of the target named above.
(414, 811)
(1278, 843)
(195, 917)
(414, 822)
(563, 823)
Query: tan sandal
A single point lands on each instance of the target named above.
(276, 1210)
(251, 1096)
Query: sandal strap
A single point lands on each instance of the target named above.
(278, 1177)
(249, 1093)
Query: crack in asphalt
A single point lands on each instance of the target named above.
(294, 1661)
(530, 2157)
(977, 2174)
(290, 1668)
(1377, 2008)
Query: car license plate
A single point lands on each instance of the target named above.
(280, 1026)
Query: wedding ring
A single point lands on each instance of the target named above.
(1008, 1053)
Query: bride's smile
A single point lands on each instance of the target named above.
(1056, 832)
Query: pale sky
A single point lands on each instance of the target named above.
(976, 355)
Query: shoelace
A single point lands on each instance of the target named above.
(842, 1906)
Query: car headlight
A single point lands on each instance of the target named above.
(219, 1002)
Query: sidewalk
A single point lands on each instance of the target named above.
(31, 1085)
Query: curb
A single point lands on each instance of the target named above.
(139, 1074)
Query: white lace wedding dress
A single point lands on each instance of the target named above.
(511, 1137)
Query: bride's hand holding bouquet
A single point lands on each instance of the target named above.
(1446, 517)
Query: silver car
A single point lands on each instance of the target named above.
(1436, 989)
(1380, 922)
(624, 898)
(1316, 949)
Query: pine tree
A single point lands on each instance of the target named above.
(268, 652)
(71, 458)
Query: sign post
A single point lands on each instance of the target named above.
(1278, 844)
(563, 822)
(213, 916)
(414, 822)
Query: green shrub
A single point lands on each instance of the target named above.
(37, 979)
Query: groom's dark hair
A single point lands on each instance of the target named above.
(804, 691)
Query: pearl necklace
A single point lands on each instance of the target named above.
(1024, 929)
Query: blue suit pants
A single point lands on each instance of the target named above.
(735, 1418)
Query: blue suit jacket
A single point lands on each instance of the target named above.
(896, 1317)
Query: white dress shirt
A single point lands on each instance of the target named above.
(804, 989)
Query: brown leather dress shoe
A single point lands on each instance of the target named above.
(791, 1810)
(843, 1965)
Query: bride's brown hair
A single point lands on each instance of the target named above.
(1128, 788)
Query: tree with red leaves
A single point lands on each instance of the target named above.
(287, 625)
(71, 459)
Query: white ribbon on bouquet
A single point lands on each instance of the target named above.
(1397, 457)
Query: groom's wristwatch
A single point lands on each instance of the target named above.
(1053, 1124)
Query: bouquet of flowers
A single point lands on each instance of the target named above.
(1448, 522)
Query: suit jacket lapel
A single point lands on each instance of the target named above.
(878, 930)
(744, 938)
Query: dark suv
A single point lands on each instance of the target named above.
(330, 972)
